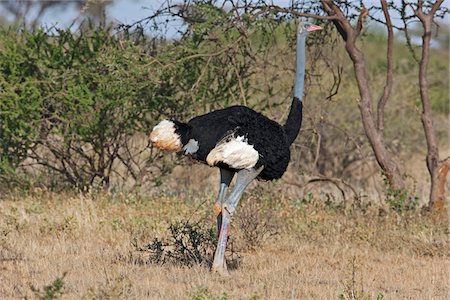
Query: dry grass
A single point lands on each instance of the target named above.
(309, 250)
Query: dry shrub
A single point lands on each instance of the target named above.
(114, 288)
(187, 244)
(353, 286)
(256, 222)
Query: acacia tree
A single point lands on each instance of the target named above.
(425, 12)
(341, 14)
(438, 169)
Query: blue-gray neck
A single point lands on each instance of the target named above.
(294, 120)
(300, 66)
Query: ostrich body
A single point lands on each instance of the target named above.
(238, 140)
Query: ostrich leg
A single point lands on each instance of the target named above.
(225, 178)
(244, 177)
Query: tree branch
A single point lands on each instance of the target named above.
(362, 16)
(278, 9)
(341, 23)
(427, 121)
(389, 73)
(435, 7)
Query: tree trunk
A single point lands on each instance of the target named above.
(375, 137)
(432, 158)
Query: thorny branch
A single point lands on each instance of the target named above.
(335, 181)
(278, 9)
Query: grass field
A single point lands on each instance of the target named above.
(91, 247)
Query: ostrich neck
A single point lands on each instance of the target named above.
(294, 120)
(300, 67)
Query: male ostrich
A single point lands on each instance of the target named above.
(238, 140)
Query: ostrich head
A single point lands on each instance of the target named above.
(306, 27)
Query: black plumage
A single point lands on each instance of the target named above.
(270, 139)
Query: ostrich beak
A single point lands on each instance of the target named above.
(313, 28)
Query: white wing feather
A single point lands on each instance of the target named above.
(235, 152)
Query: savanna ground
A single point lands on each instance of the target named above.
(97, 246)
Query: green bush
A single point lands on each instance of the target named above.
(70, 101)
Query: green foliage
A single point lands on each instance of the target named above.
(75, 95)
(399, 200)
(205, 294)
(52, 291)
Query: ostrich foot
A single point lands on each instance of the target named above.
(220, 269)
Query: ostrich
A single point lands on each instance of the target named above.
(238, 140)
